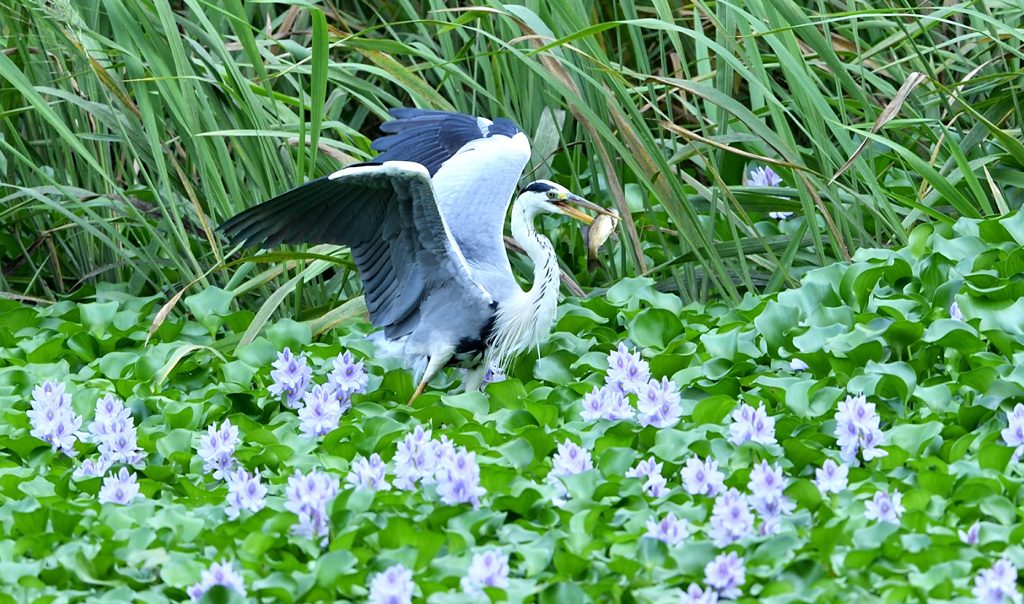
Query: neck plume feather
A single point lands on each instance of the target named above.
(524, 319)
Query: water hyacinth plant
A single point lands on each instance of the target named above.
(747, 496)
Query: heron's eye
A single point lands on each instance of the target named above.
(552, 194)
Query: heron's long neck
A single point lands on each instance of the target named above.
(525, 319)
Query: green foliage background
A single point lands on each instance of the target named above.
(130, 129)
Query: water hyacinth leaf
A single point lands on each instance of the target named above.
(713, 409)
(654, 328)
(517, 452)
(98, 316)
(913, 437)
(208, 305)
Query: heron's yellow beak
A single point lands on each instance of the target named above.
(572, 212)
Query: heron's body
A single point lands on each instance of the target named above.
(424, 222)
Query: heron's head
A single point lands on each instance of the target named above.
(545, 196)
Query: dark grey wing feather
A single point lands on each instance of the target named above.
(430, 138)
(387, 215)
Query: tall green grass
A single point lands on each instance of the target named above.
(130, 129)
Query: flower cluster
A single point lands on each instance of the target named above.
(658, 402)
(994, 585)
(627, 372)
(219, 574)
(650, 469)
(458, 479)
(245, 491)
(702, 478)
(113, 429)
(695, 595)
(669, 529)
(119, 488)
(393, 586)
(52, 418)
(831, 477)
(764, 176)
(658, 405)
(321, 412)
(766, 496)
(570, 459)
(731, 518)
(752, 424)
(308, 496)
(348, 378)
(489, 569)
(726, 573)
(217, 448)
(857, 430)
(605, 403)
(1013, 434)
(368, 474)
(291, 377)
(415, 458)
(884, 508)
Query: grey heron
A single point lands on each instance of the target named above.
(424, 222)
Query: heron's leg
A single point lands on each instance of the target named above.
(475, 377)
(435, 364)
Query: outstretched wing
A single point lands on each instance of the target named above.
(387, 214)
(476, 164)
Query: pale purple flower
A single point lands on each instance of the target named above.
(752, 424)
(650, 470)
(320, 413)
(245, 491)
(458, 479)
(954, 312)
(831, 477)
(108, 409)
(627, 372)
(291, 377)
(493, 374)
(119, 441)
(658, 404)
(971, 536)
(796, 364)
(570, 459)
(669, 529)
(884, 508)
(766, 496)
(368, 474)
(766, 480)
(393, 586)
(726, 573)
(442, 450)
(217, 448)
(52, 418)
(702, 478)
(92, 468)
(1013, 434)
(348, 378)
(414, 459)
(857, 429)
(120, 488)
(605, 403)
(695, 595)
(994, 585)
(308, 496)
(489, 569)
(219, 574)
(731, 519)
(763, 176)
